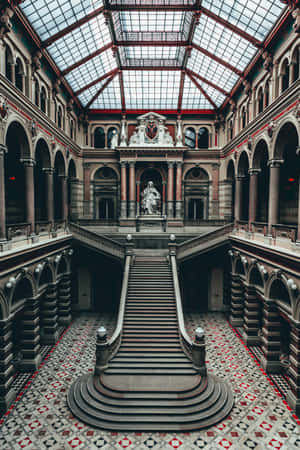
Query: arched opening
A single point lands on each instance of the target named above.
(59, 117)
(9, 66)
(190, 137)
(99, 138)
(260, 100)
(295, 64)
(105, 194)
(285, 75)
(267, 94)
(110, 133)
(19, 73)
(62, 267)
(42, 162)
(15, 193)
(59, 172)
(71, 188)
(230, 177)
(243, 173)
(256, 311)
(196, 188)
(46, 277)
(230, 130)
(260, 162)
(153, 175)
(286, 150)
(36, 93)
(279, 291)
(244, 117)
(203, 138)
(43, 100)
(71, 129)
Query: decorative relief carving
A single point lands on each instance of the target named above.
(151, 131)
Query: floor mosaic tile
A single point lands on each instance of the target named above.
(40, 418)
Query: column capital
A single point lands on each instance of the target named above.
(63, 176)
(27, 162)
(179, 164)
(254, 171)
(138, 183)
(240, 177)
(123, 164)
(131, 163)
(48, 170)
(275, 162)
(3, 149)
(86, 165)
(171, 164)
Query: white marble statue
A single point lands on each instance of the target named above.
(114, 140)
(150, 199)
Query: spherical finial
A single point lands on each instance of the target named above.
(129, 237)
(199, 333)
(172, 237)
(101, 332)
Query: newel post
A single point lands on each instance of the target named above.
(102, 351)
(198, 351)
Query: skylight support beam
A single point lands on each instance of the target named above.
(98, 80)
(218, 60)
(151, 43)
(181, 91)
(203, 91)
(87, 58)
(163, 68)
(72, 27)
(100, 90)
(122, 91)
(210, 83)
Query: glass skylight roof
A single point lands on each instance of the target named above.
(50, 16)
(156, 39)
(151, 89)
(225, 44)
(257, 17)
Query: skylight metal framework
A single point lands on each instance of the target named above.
(168, 54)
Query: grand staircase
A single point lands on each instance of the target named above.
(150, 384)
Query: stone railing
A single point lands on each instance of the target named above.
(100, 242)
(259, 227)
(18, 230)
(107, 348)
(195, 245)
(43, 227)
(284, 231)
(194, 349)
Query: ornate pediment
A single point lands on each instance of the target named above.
(151, 131)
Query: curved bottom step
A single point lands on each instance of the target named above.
(206, 403)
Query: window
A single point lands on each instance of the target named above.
(36, 93)
(8, 64)
(110, 135)
(99, 138)
(19, 74)
(260, 100)
(59, 117)
(43, 99)
(285, 74)
(190, 137)
(203, 138)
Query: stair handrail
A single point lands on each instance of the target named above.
(114, 246)
(206, 237)
(107, 348)
(194, 350)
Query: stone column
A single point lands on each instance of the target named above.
(274, 194)
(253, 194)
(238, 198)
(237, 302)
(179, 190)
(2, 57)
(132, 193)
(215, 192)
(164, 203)
(138, 198)
(252, 318)
(31, 356)
(271, 338)
(64, 300)
(86, 188)
(64, 197)
(7, 394)
(293, 395)
(123, 189)
(48, 307)
(50, 194)
(12, 69)
(29, 188)
(170, 208)
(3, 150)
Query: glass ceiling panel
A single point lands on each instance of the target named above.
(256, 17)
(110, 98)
(50, 16)
(211, 70)
(152, 25)
(88, 94)
(151, 89)
(225, 44)
(91, 70)
(152, 56)
(192, 98)
(80, 42)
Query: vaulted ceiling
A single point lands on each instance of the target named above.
(152, 54)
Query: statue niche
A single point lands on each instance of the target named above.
(150, 199)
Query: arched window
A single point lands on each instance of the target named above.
(110, 135)
(190, 137)
(36, 93)
(285, 73)
(260, 100)
(8, 64)
(230, 130)
(203, 138)
(71, 129)
(296, 64)
(99, 138)
(244, 117)
(59, 117)
(19, 74)
(43, 100)
(267, 94)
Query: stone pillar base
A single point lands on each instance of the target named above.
(236, 321)
(132, 209)
(65, 320)
(179, 209)
(293, 401)
(270, 366)
(5, 245)
(30, 365)
(123, 209)
(49, 339)
(170, 209)
(251, 340)
(6, 400)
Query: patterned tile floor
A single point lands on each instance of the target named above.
(40, 419)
